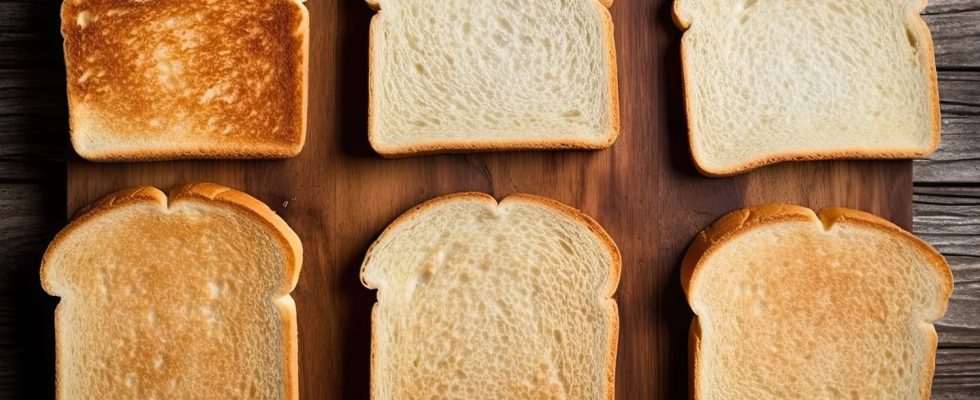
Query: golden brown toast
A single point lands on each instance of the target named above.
(179, 298)
(795, 304)
(171, 79)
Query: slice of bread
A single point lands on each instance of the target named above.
(186, 300)
(175, 79)
(477, 75)
(770, 81)
(480, 300)
(791, 305)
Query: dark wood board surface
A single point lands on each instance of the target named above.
(338, 196)
(643, 191)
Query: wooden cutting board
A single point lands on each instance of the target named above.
(338, 196)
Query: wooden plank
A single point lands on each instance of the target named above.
(30, 34)
(33, 111)
(33, 116)
(959, 93)
(955, 33)
(961, 326)
(951, 6)
(957, 374)
(29, 217)
(958, 157)
(33, 125)
(949, 219)
(643, 190)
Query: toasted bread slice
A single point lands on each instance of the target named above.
(790, 304)
(171, 79)
(186, 300)
(770, 81)
(480, 300)
(465, 75)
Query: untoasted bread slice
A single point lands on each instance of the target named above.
(770, 81)
(481, 300)
(186, 300)
(464, 75)
(790, 304)
(171, 79)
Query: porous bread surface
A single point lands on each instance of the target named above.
(484, 301)
(769, 81)
(168, 79)
(182, 301)
(791, 306)
(492, 74)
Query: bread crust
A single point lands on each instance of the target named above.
(741, 221)
(475, 146)
(250, 148)
(570, 212)
(927, 59)
(247, 206)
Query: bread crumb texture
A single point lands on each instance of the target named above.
(182, 301)
(770, 81)
(186, 79)
(485, 74)
(792, 306)
(484, 301)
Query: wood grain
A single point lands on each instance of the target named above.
(644, 191)
(33, 144)
(956, 36)
(958, 157)
(949, 219)
(957, 374)
(26, 312)
(950, 6)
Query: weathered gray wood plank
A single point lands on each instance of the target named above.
(949, 219)
(957, 375)
(951, 6)
(959, 93)
(958, 158)
(955, 32)
(961, 326)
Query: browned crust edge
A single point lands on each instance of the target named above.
(570, 212)
(927, 58)
(441, 147)
(198, 151)
(247, 206)
(741, 221)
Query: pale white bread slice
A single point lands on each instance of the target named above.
(481, 75)
(790, 305)
(480, 300)
(769, 81)
(186, 300)
(176, 79)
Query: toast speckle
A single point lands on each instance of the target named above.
(482, 300)
(172, 79)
